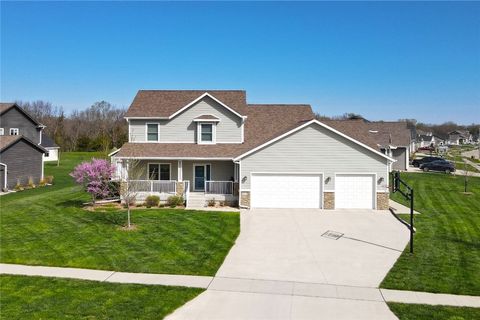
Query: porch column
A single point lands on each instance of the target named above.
(180, 170)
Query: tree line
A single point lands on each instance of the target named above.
(100, 127)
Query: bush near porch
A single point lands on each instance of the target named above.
(48, 226)
(447, 241)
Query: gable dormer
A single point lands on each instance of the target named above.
(202, 117)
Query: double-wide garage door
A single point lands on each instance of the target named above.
(286, 191)
(352, 191)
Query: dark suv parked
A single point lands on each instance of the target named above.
(438, 165)
(418, 162)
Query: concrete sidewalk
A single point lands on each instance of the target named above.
(248, 286)
(399, 208)
(108, 276)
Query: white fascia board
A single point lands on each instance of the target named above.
(113, 152)
(145, 118)
(314, 121)
(176, 158)
(206, 120)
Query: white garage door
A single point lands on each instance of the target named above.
(354, 191)
(286, 191)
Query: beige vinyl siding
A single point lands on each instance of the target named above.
(314, 149)
(182, 128)
(138, 130)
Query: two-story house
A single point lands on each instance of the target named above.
(21, 152)
(212, 144)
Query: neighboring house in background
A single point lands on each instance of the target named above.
(213, 145)
(20, 160)
(52, 148)
(458, 137)
(390, 138)
(21, 153)
(429, 140)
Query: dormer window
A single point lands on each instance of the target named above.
(206, 129)
(206, 134)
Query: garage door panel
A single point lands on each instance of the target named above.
(286, 191)
(354, 191)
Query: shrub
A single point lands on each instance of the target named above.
(211, 202)
(152, 201)
(42, 182)
(18, 186)
(174, 201)
(30, 183)
(49, 179)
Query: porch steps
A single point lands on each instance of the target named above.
(196, 200)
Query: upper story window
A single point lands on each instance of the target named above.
(152, 132)
(2, 131)
(14, 131)
(206, 133)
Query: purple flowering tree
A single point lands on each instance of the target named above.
(94, 176)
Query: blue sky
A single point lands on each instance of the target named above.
(382, 60)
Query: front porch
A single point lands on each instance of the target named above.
(198, 181)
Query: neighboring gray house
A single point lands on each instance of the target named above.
(20, 160)
(21, 154)
(211, 144)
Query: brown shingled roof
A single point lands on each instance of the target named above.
(7, 141)
(356, 129)
(4, 106)
(373, 134)
(164, 103)
(264, 123)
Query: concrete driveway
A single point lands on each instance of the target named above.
(283, 266)
(290, 245)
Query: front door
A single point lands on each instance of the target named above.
(199, 173)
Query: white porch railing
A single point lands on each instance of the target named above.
(160, 186)
(219, 187)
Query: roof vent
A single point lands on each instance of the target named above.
(373, 131)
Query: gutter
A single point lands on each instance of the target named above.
(5, 175)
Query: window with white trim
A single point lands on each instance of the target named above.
(2, 131)
(159, 171)
(152, 132)
(206, 133)
(14, 131)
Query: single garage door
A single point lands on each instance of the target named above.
(286, 191)
(353, 191)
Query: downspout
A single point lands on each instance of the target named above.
(4, 176)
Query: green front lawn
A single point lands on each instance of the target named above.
(51, 298)
(447, 241)
(48, 226)
(428, 312)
